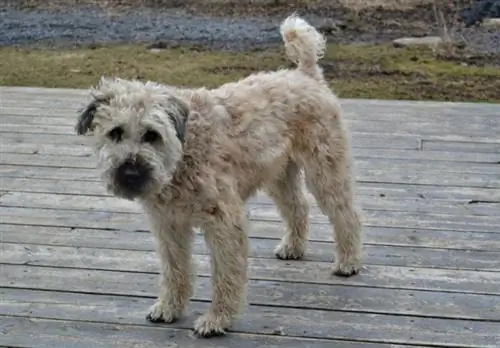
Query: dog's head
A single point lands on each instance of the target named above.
(139, 131)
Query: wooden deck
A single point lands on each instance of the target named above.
(78, 268)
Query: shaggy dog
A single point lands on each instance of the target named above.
(192, 157)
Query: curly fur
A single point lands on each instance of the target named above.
(257, 133)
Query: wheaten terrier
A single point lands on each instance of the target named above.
(192, 157)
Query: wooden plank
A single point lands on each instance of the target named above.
(364, 106)
(431, 177)
(45, 151)
(361, 163)
(113, 204)
(393, 138)
(465, 195)
(373, 141)
(331, 325)
(358, 152)
(478, 127)
(389, 110)
(76, 334)
(446, 146)
(375, 253)
(469, 107)
(318, 294)
(118, 239)
(108, 220)
(27, 138)
(15, 91)
(140, 260)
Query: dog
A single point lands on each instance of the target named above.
(191, 157)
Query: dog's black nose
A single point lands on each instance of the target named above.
(130, 173)
(131, 176)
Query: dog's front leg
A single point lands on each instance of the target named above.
(228, 244)
(173, 242)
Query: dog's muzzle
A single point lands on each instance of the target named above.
(132, 177)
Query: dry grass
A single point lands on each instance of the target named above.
(382, 72)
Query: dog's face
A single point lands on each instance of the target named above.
(139, 130)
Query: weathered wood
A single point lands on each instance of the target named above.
(316, 294)
(27, 138)
(113, 204)
(118, 239)
(416, 176)
(429, 186)
(374, 141)
(399, 219)
(49, 149)
(389, 110)
(358, 152)
(361, 163)
(478, 127)
(293, 322)
(318, 253)
(465, 195)
(101, 219)
(76, 334)
(484, 148)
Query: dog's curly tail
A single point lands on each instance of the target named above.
(304, 45)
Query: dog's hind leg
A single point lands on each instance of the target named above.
(286, 191)
(330, 179)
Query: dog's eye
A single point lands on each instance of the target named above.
(151, 137)
(116, 134)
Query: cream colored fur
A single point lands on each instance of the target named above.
(260, 132)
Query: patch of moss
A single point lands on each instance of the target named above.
(380, 71)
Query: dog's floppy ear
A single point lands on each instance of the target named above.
(84, 123)
(179, 116)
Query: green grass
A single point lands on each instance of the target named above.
(382, 71)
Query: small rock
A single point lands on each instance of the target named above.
(163, 45)
(491, 23)
(331, 26)
(279, 331)
(414, 41)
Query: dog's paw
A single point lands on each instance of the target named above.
(290, 251)
(210, 325)
(346, 269)
(161, 313)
